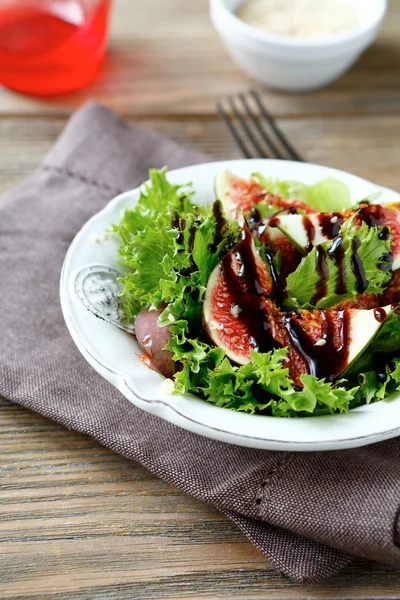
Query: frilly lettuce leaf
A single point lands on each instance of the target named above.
(168, 250)
(328, 195)
(262, 386)
(166, 246)
(302, 284)
(158, 199)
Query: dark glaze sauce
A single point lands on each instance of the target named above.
(310, 232)
(327, 356)
(175, 221)
(336, 254)
(323, 273)
(396, 308)
(279, 290)
(248, 267)
(386, 262)
(357, 268)
(179, 224)
(220, 222)
(373, 215)
(192, 233)
(328, 228)
(274, 222)
(328, 360)
(246, 291)
(384, 234)
(380, 314)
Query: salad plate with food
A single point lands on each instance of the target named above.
(255, 302)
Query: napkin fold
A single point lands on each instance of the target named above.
(309, 513)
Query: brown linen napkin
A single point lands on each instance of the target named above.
(309, 513)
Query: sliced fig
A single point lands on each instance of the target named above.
(240, 317)
(366, 301)
(240, 321)
(332, 340)
(306, 231)
(152, 339)
(289, 255)
(392, 292)
(236, 193)
(235, 301)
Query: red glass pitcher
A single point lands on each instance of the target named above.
(49, 47)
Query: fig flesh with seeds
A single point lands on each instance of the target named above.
(236, 194)
(240, 316)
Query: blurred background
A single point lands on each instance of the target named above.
(166, 67)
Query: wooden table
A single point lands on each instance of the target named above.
(79, 522)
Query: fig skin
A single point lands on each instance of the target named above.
(152, 339)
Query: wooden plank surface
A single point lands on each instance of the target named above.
(77, 521)
(366, 145)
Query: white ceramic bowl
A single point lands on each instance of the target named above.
(115, 355)
(294, 64)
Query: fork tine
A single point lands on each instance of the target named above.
(276, 153)
(225, 117)
(282, 138)
(246, 129)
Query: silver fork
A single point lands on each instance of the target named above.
(254, 129)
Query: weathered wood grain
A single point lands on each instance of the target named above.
(79, 522)
(367, 146)
(165, 58)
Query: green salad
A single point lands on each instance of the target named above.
(277, 299)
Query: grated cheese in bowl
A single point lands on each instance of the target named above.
(299, 18)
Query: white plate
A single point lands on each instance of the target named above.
(114, 354)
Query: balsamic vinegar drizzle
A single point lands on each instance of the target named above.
(248, 267)
(373, 215)
(336, 254)
(327, 356)
(323, 273)
(357, 268)
(220, 222)
(310, 232)
(330, 224)
(245, 289)
(328, 360)
(274, 222)
(384, 234)
(385, 263)
(279, 290)
(192, 234)
(175, 221)
(380, 314)
(180, 224)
